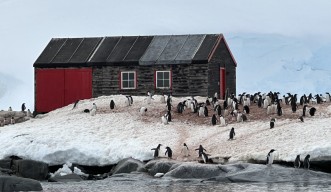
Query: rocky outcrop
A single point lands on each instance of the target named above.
(244, 172)
(127, 165)
(30, 169)
(160, 166)
(11, 183)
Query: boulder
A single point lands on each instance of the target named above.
(195, 171)
(161, 166)
(12, 183)
(127, 165)
(31, 169)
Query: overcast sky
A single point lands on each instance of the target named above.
(27, 26)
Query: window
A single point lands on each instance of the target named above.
(128, 80)
(163, 79)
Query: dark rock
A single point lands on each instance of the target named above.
(5, 163)
(127, 165)
(31, 169)
(196, 171)
(66, 178)
(12, 183)
(161, 166)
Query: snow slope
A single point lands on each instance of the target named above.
(68, 135)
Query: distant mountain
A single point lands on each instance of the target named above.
(269, 62)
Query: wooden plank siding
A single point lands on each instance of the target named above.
(222, 58)
(187, 79)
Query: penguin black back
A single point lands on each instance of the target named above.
(112, 104)
(232, 133)
(297, 162)
(169, 152)
(306, 162)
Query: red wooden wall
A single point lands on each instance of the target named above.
(56, 88)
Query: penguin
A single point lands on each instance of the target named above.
(112, 104)
(200, 150)
(93, 112)
(239, 117)
(129, 100)
(169, 152)
(180, 107)
(297, 162)
(205, 112)
(162, 99)
(204, 157)
(143, 110)
(75, 104)
(10, 109)
(94, 106)
(272, 123)
(301, 119)
(270, 157)
(185, 150)
(157, 151)
(168, 116)
(164, 119)
(86, 110)
(312, 111)
(12, 121)
(201, 111)
(246, 109)
(304, 110)
(222, 121)
(23, 107)
(29, 114)
(169, 106)
(149, 97)
(207, 102)
(213, 120)
(232, 133)
(244, 117)
(306, 162)
(169, 100)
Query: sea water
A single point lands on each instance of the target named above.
(145, 183)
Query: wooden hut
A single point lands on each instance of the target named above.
(182, 65)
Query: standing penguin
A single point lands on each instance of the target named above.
(246, 109)
(168, 115)
(94, 106)
(204, 157)
(304, 110)
(232, 133)
(162, 99)
(222, 121)
(306, 162)
(157, 151)
(272, 123)
(169, 151)
(213, 119)
(23, 107)
(164, 119)
(112, 104)
(185, 150)
(205, 112)
(312, 111)
(143, 110)
(200, 150)
(29, 114)
(270, 157)
(10, 109)
(297, 162)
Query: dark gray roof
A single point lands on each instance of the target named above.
(138, 50)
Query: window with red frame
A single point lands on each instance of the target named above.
(128, 80)
(163, 79)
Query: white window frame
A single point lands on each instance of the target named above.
(156, 80)
(134, 79)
